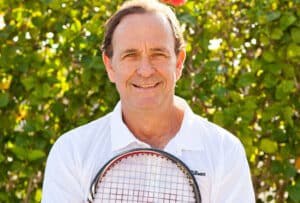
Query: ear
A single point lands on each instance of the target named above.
(179, 64)
(108, 67)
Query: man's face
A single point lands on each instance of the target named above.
(144, 65)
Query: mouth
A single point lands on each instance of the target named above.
(146, 86)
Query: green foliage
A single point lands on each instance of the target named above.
(52, 79)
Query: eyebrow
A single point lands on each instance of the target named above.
(159, 49)
(155, 49)
(128, 51)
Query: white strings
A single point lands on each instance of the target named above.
(145, 178)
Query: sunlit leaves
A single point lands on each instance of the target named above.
(253, 90)
(286, 20)
(293, 51)
(268, 145)
(284, 89)
(241, 71)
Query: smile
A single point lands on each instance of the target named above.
(146, 86)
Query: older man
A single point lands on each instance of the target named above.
(143, 52)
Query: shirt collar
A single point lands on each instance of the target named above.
(121, 137)
(186, 138)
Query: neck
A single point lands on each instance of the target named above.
(155, 127)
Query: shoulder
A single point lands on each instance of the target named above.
(83, 136)
(221, 147)
(218, 143)
(214, 133)
(89, 130)
(206, 134)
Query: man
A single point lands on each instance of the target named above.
(143, 52)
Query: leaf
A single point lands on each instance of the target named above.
(2, 158)
(274, 68)
(290, 170)
(268, 146)
(277, 167)
(4, 99)
(38, 195)
(284, 89)
(293, 50)
(199, 78)
(212, 64)
(269, 56)
(273, 16)
(286, 20)
(219, 91)
(20, 152)
(58, 109)
(269, 81)
(276, 34)
(279, 136)
(250, 104)
(294, 193)
(29, 82)
(246, 79)
(288, 113)
(295, 33)
(76, 26)
(47, 1)
(219, 118)
(35, 154)
(288, 71)
(188, 18)
(264, 40)
(236, 42)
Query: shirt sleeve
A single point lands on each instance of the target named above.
(234, 183)
(61, 179)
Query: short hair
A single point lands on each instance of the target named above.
(141, 7)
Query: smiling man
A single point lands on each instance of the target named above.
(145, 67)
(143, 52)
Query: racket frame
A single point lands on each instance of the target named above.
(113, 161)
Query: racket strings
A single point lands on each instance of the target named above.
(144, 178)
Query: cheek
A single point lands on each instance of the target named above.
(123, 73)
(170, 75)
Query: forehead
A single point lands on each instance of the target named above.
(135, 30)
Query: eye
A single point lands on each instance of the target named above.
(129, 55)
(159, 55)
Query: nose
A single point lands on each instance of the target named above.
(145, 68)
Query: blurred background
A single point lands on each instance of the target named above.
(242, 72)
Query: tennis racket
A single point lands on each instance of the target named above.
(145, 175)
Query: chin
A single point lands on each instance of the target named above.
(147, 104)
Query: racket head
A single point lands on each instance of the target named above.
(159, 154)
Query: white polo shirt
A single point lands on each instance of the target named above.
(78, 155)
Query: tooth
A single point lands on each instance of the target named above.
(145, 85)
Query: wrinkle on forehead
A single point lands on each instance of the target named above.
(134, 19)
(143, 32)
